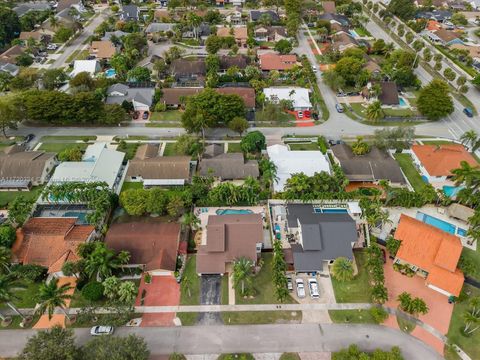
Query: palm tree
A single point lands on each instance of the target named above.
(374, 111)
(468, 175)
(194, 21)
(470, 138)
(52, 296)
(7, 282)
(102, 261)
(127, 291)
(190, 220)
(475, 304)
(53, 21)
(342, 269)
(419, 306)
(242, 273)
(470, 319)
(5, 256)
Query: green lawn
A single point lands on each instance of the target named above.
(127, 185)
(263, 285)
(191, 274)
(169, 115)
(406, 163)
(304, 147)
(474, 257)
(129, 149)
(26, 294)
(290, 356)
(16, 320)
(283, 117)
(170, 150)
(58, 147)
(224, 290)
(78, 301)
(358, 109)
(399, 112)
(357, 290)
(7, 196)
(261, 317)
(67, 137)
(351, 316)
(468, 344)
(77, 55)
(437, 142)
(361, 31)
(234, 148)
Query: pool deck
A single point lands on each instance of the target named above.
(207, 211)
(437, 212)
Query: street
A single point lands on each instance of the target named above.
(276, 338)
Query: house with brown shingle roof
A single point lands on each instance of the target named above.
(226, 62)
(432, 253)
(272, 61)
(270, 33)
(103, 50)
(436, 162)
(239, 33)
(154, 170)
(35, 35)
(152, 245)
(329, 7)
(10, 55)
(229, 166)
(50, 242)
(229, 238)
(342, 41)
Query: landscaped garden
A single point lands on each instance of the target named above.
(413, 176)
(356, 290)
(190, 291)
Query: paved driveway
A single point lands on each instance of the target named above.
(210, 294)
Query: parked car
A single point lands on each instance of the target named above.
(313, 286)
(300, 114)
(136, 114)
(339, 108)
(29, 138)
(289, 283)
(145, 115)
(307, 113)
(314, 68)
(101, 330)
(315, 116)
(300, 288)
(468, 112)
(91, 57)
(52, 47)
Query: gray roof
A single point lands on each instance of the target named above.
(24, 8)
(374, 166)
(324, 236)
(229, 167)
(130, 12)
(143, 95)
(11, 69)
(257, 14)
(117, 33)
(158, 27)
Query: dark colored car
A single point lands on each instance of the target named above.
(145, 115)
(29, 138)
(384, 256)
(468, 112)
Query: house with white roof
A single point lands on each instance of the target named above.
(90, 66)
(298, 95)
(99, 164)
(294, 162)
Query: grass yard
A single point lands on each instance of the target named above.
(437, 142)
(77, 55)
(129, 149)
(78, 301)
(283, 117)
(357, 290)
(399, 112)
(188, 319)
(303, 147)
(406, 163)
(26, 294)
(234, 148)
(7, 196)
(468, 344)
(261, 317)
(224, 298)
(474, 257)
(16, 320)
(358, 109)
(351, 316)
(263, 285)
(361, 31)
(169, 115)
(128, 185)
(170, 150)
(59, 147)
(67, 137)
(191, 274)
(289, 356)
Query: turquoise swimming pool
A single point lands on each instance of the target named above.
(330, 211)
(233, 211)
(441, 224)
(402, 102)
(451, 191)
(81, 216)
(110, 73)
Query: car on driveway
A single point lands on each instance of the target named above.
(300, 288)
(52, 47)
(101, 330)
(313, 286)
(339, 108)
(289, 283)
(29, 138)
(145, 115)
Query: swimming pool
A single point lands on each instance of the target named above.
(451, 191)
(354, 33)
(441, 224)
(81, 216)
(233, 211)
(330, 211)
(402, 102)
(110, 73)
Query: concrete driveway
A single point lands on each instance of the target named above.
(210, 294)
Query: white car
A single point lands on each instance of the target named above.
(101, 330)
(313, 286)
(314, 69)
(300, 288)
(52, 47)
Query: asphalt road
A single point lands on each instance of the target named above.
(276, 338)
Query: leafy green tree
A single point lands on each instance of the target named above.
(53, 344)
(133, 201)
(349, 68)
(5, 259)
(360, 147)
(213, 44)
(459, 19)
(212, 63)
(110, 287)
(404, 9)
(254, 141)
(51, 296)
(70, 154)
(342, 269)
(116, 348)
(62, 34)
(127, 292)
(434, 100)
(139, 74)
(238, 125)
(283, 46)
(10, 115)
(24, 59)
(73, 268)
(102, 261)
(82, 82)
(53, 78)
(175, 206)
(19, 209)
(449, 74)
(9, 26)
(427, 54)
(157, 201)
(242, 275)
(409, 37)
(378, 314)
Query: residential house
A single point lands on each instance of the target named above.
(273, 61)
(246, 93)
(68, 4)
(435, 3)
(388, 93)
(438, 15)
(118, 34)
(140, 97)
(298, 96)
(102, 50)
(99, 164)
(130, 13)
(92, 67)
(9, 68)
(257, 15)
(335, 19)
(188, 73)
(203, 32)
(238, 32)
(444, 37)
(153, 246)
(329, 7)
(294, 162)
(229, 238)
(235, 18)
(270, 33)
(10, 55)
(230, 166)
(26, 7)
(226, 62)
(475, 4)
(50, 242)
(342, 41)
(473, 50)
(233, 2)
(37, 36)
(21, 169)
(372, 167)
(154, 170)
(436, 162)
(432, 253)
(157, 28)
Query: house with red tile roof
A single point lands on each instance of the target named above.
(50, 242)
(272, 61)
(436, 162)
(432, 253)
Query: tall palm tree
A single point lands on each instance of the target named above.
(470, 320)
(190, 220)
(475, 304)
(242, 274)
(468, 175)
(53, 21)
(342, 269)
(52, 296)
(102, 261)
(194, 21)
(374, 111)
(7, 283)
(470, 138)
(5, 257)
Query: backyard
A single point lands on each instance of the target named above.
(413, 176)
(356, 290)
(7, 196)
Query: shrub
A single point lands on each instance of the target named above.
(322, 144)
(29, 272)
(93, 291)
(7, 236)
(160, 107)
(378, 314)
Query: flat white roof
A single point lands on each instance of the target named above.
(293, 162)
(90, 66)
(298, 95)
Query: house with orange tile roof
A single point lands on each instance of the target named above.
(436, 162)
(239, 33)
(272, 61)
(102, 50)
(432, 253)
(50, 242)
